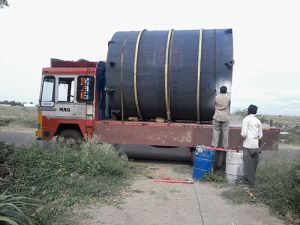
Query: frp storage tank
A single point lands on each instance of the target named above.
(172, 74)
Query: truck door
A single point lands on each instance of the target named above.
(46, 106)
(66, 105)
(85, 94)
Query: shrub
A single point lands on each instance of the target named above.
(5, 151)
(15, 210)
(278, 183)
(63, 174)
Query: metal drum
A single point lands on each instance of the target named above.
(203, 162)
(170, 74)
(234, 166)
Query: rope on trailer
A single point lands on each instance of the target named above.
(167, 73)
(121, 75)
(135, 74)
(220, 149)
(199, 75)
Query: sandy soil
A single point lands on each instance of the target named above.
(151, 203)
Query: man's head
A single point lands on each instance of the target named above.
(223, 89)
(252, 109)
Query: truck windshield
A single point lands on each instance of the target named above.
(48, 91)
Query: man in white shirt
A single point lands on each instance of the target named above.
(252, 133)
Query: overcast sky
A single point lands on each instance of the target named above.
(266, 41)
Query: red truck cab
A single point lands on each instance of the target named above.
(68, 100)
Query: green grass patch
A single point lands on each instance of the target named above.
(217, 177)
(278, 183)
(238, 194)
(64, 174)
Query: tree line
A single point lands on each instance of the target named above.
(13, 103)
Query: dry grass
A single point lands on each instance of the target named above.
(18, 116)
(290, 125)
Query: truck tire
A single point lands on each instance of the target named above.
(71, 134)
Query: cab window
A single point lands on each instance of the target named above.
(47, 98)
(85, 89)
(65, 90)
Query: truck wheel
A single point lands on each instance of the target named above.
(71, 134)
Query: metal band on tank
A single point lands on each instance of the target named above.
(167, 89)
(135, 75)
(121, 75)
(199, 75)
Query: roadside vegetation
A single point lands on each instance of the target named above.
(278, 174)
(16, 210)
(59, 176)
(277, 185)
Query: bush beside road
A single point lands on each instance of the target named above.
(62, 175)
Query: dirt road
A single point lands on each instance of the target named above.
(152, 203)
(17, 135)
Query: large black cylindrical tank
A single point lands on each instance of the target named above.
(171, 74)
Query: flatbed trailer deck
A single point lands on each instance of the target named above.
(186, 135)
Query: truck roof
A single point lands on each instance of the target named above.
(67, 63)
(70, 67)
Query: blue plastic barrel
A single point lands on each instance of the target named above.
(203, 162)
